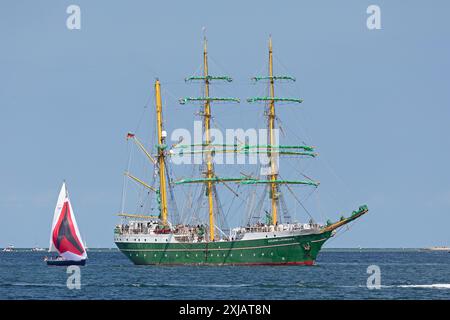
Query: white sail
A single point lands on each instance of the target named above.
(65, 237)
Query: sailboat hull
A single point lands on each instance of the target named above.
(288, 250)
(66, 263)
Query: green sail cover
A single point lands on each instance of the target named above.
(273, 78)
(306, 182)
(245, 149)
(245, 146)
(275, 99)
(209, 78)
(246, 180)
(204, 99)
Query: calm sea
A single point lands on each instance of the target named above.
(339, 274)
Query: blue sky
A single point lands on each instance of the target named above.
(376, 104)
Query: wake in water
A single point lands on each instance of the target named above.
(427, 286)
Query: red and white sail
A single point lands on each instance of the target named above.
(65, 237)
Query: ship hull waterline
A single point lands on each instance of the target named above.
(65, 263)
(287, 250)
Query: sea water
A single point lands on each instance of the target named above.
(338, 274)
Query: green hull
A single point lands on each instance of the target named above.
(290, 250)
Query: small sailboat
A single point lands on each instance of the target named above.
(65, 238)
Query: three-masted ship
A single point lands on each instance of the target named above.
(155, 239)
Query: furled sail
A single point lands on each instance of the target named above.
(65, 237)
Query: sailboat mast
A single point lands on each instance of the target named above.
(271, 116)
(207, 126)
(161, 147)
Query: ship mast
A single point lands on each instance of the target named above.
(161, 155)
(207, 125)
(274, 149)
(210, 177)
(159, 161)
(271, 116)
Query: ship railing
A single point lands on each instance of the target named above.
(280, 227)
(128, 231)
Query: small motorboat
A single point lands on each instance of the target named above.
(65, 237)
(10, 248)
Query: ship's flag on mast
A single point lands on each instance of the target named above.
(65, 236)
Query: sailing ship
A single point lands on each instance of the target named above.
(159, 239)
(65, 237)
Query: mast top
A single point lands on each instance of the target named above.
(205, 44)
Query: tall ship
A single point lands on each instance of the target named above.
(157, 235)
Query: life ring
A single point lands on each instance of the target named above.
(307, 246)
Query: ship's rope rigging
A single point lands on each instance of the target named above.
(250, 203)
(125, 180)
(130, 154)
(298, 200)
(256, 213)
(236, 192)
(188, 194)
(284, 208)
(195, 217)
(340, 232)
(173, 208)
(223, 224)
